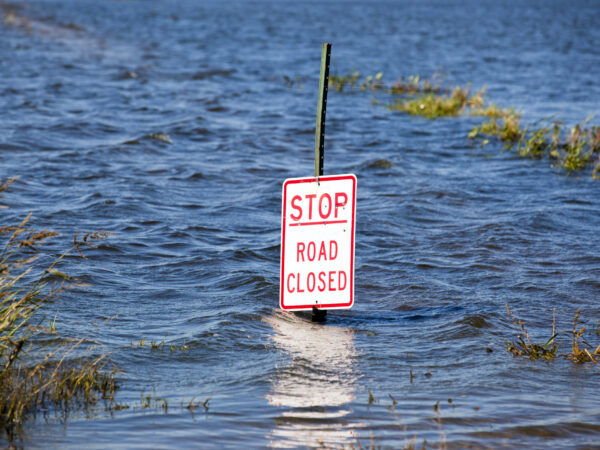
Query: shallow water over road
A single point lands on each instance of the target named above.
(171, 124)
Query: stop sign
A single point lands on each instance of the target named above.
(317, 242)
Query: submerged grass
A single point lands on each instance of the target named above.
(435, 105)
(581, 354)
(34, 377)
(409, 443)
(505, 125)
(571, 149)
(579, 148)
(412, 85)
(523, 345)
(353, 81)
(415, 95)
(581, 350)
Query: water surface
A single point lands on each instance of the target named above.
(171, 125)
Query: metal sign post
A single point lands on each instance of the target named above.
(321, 109)
(318, 218)
(319, 315)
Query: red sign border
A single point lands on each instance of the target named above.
(283, 223)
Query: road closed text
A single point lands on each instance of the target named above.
(321, 281)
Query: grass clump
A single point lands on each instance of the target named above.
(579, 148)
(524, 347)
(338, 82)
(494, 112)
(535, 143)
(429, 98)
(353, 81)
(571, 149)
(581, 350)
(413, 85)
(505, 125)
(33, 376)
(581, 354)
(416, 85)
(433, 106)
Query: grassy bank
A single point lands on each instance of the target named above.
(36, 375)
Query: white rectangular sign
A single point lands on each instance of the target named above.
(317, 242)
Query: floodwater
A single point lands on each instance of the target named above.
(171, 124)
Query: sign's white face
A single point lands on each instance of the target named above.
(317, 242)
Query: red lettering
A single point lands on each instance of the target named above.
(322, 252)
(298, 283)
(340, 287)
(328, 197)
(333, 250)
(300, 251)
(308, 286)
(296, 198)
(322, 282)
(311, 247)
(290, 288)
(310, 198)
(338, 203)
(331, 280)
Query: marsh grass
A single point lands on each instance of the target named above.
(296, 81)
(414, 84)
(572, 149)
(192, 406)
(435, 105)
(13, 19)
(339, 82)
(523, 346)
(504, 125)
(579, 147)
(581, 350)
(409, 443)
(36, 376)
(161, 345)
(355, 80)
(152, 401)
(415, 95)
(428, 97)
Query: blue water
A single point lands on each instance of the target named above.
(447, 233)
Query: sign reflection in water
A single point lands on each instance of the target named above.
(314, 388)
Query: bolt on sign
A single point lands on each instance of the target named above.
(317, 242)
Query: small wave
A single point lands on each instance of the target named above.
(476, 321)
(378, 164)
(160, 136)
(128, 75)
(217, 108)
(193, 177)
(202, 75)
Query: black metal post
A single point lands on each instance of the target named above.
(321, 109)
(320, 315)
